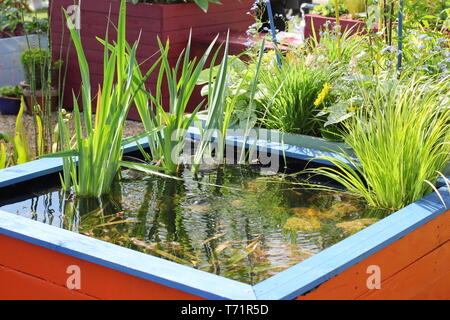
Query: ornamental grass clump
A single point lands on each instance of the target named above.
(288, 100)
(401, 139)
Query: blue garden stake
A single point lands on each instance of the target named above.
(272, 27)
(400, 35)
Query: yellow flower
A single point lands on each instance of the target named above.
(352, 108)
(323, 94)
(268, 56)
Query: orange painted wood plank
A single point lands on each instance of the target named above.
(439, 290)
(414, 280)
(20, 286)
(96, 280)
(351, 283)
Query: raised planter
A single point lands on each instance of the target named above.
(411, 248)
(314, 24)
(10, 53)
(168, 21)
(41, 99)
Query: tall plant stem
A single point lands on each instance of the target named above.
(400, 35)
(338, 24)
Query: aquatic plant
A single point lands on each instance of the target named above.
(400, 138)
(99, 146)
(169, 128)
(222, 105)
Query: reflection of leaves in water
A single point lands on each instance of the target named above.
(229, 257)
(236, 231)
(351, 227)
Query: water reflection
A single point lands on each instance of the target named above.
(228, 221)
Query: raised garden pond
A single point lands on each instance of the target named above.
(230, 221)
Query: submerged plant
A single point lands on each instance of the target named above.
(401, 139)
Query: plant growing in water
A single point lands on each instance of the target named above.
(169, 128)
(99, 148)
(400, 137)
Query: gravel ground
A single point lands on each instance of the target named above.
(8, 124)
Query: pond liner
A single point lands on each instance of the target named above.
(294, 282)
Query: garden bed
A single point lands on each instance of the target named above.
(410, 240)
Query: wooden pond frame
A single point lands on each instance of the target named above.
(411, 248)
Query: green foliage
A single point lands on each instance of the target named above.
(329, 10)
(14, 149)
(223, 102)
(36, 64)
(15, 20)
(167, 144)
(401, 139)
(11, 92)
(3, 156)
(288, 98)
(355, 6)
(99, 146)
(428, 13)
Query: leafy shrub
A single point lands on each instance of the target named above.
(11, 92)
(36, 63)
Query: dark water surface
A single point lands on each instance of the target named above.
(231, 221)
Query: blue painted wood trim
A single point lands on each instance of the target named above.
(321, 267)
(125, 260)
(290, 151)
(29, 170)
(42, 167)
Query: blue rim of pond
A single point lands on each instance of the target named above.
(288, 284)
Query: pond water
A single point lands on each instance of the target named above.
(230, 221)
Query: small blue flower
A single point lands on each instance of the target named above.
(422, 36)
(388, 49)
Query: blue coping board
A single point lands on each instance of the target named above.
(288, 284)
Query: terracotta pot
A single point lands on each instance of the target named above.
(41, 99)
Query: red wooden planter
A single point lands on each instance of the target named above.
(413, 267)
(168, 21)
(316, 23)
